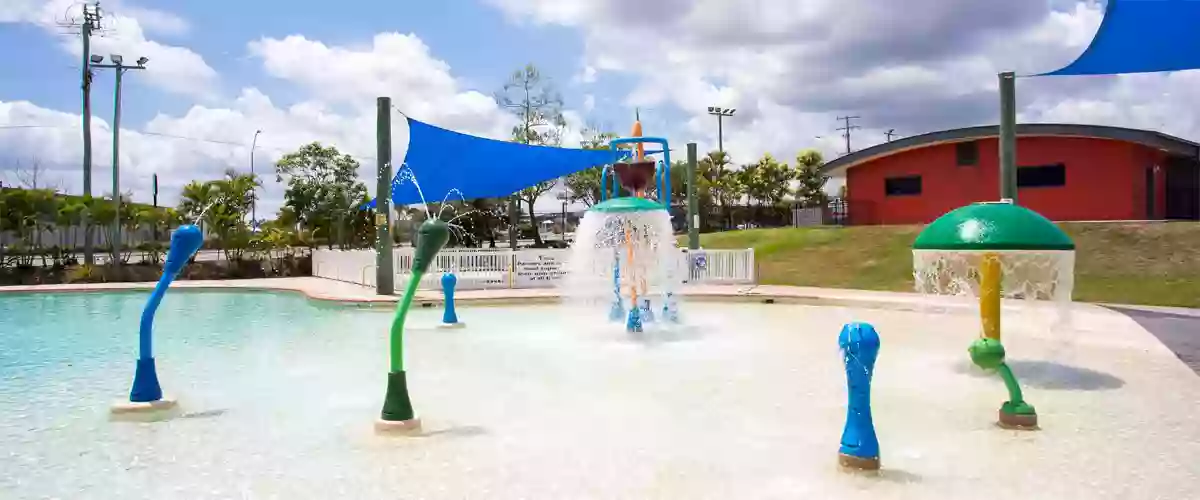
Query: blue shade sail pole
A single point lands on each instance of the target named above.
(185, 241)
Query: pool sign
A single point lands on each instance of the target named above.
(536, 269)
(699, 261)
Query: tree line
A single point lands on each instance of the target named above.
(323, 198)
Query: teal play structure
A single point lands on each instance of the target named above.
(635, 176)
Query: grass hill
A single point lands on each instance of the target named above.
(1150, 263)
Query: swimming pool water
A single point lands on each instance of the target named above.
(279, 395)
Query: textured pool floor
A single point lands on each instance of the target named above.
(545, 402)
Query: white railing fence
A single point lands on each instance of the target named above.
(530, 268)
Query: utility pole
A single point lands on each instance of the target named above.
(119, 68)
(720, 113)
(91, 23)
(154, 194)
(254, 198)
(847, 129)
(890, 133)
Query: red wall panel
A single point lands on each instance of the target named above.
(1105, 180)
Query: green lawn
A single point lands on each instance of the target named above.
(1129, 263)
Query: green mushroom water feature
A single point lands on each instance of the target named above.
(990, 251)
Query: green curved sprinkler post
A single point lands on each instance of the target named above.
(988, 354)
(397, 412)
(991, 229)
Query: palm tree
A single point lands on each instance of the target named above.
(196, 198)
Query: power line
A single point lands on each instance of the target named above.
(11, 127)
(179, 137)
(847, 129)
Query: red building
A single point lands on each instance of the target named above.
(1065, 172)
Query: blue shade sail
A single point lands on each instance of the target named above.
(443, 160)
(1142, 36)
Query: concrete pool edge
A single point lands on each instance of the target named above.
(326, 290)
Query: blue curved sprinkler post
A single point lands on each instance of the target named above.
(448, 283)
(859, 344)
(185, 241)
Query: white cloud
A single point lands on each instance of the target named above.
(343, 82)
(394, 65)
(916, 66)
(124, 29)
(158, 21)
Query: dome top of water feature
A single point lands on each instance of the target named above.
(627, 204)
(993, 226)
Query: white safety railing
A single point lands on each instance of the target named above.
(530, 268)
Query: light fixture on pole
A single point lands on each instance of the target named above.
(720, 113)
(119, 69)
(254, 192)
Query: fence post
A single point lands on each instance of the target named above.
(753, 266)
(512, 264)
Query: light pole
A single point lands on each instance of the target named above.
(119, 69)
(254, 190)
(720, 113)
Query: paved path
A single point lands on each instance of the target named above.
(1176, 328)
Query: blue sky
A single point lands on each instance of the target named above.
(474, 39)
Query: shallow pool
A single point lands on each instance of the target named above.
(279, 395)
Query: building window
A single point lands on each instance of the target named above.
(902, 186)
(1040, 176)
(966, 154)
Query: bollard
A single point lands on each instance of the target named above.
(859, 344)
(449, 318)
